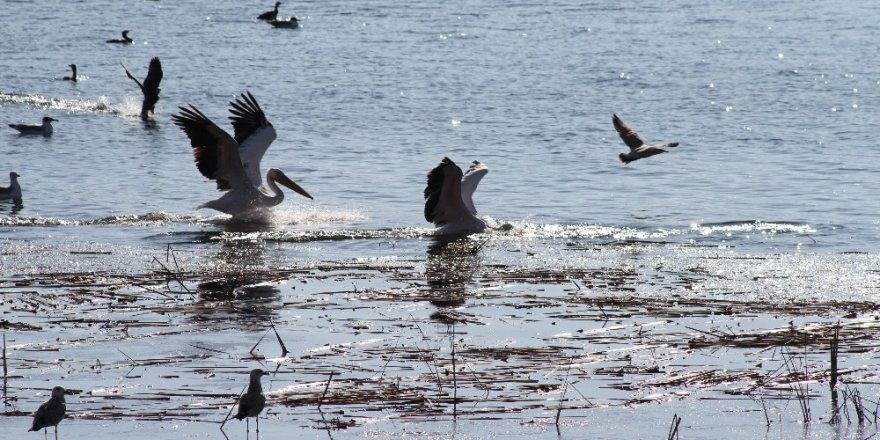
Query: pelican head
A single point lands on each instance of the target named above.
(278, 176)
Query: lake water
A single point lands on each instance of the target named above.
(770, 196)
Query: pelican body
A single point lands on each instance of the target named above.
(234, 162)
(124, 40)
(51, 412)
(638, 149)
(449, 201)
(72, 76)
(44, 129)
(253, 401)
(270, 15)
(13, 191)
(150, 86)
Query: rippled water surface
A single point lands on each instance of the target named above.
(769, 198)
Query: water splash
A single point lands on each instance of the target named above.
(129, 107)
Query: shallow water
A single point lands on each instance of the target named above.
(769, 197)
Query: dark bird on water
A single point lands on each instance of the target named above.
(150, 86)
(72, 76)
(270, 15)
(13, 191)
(289, 23)
(44, 129)
(638, 149)
(124, 40)
(252, 402)
(50, 413)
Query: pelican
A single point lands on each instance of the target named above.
(72, 76)
(44, 129)
(449, 201)
(235, 162)
(124, 40)
(150, 86)
(289, 23)
(50, 413)
(252, 402)
(637, 147)
(13, 191)
(270, 15)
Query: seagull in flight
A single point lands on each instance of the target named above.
(638, 149)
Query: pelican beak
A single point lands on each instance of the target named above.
(282, 179)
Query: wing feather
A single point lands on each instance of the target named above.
(215, 152)
(253, 132)
(629, 136)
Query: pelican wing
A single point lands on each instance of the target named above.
(443, 201)
(469, 184)
(629, 136)
(215, 152)
(253, 132)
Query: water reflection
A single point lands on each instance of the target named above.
(450, 266)
(241, 281)
(13, 206)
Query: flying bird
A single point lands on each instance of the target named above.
(44, 129)
(72, 76)
(13, 191)
(637, 147)
(234, 162)
(150, 86)
(449, 201)
(270, 15)
(50, 413)
(124, 40)
(253, 401)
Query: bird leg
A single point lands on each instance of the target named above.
(56, 432)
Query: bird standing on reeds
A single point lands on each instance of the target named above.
(50, 413)
(252, 402)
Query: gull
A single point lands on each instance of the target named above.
(270, 15)
(252, 402)
(449, 198)
(44, 129)
(124, 40)
(50, 413)
(637, 147)
(150, 86)
(13, 191)
(235, 162)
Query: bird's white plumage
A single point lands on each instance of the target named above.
(234, 162)
(445, 195)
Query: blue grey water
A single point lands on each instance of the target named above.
(774, 105)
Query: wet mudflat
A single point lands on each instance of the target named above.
(461, 342)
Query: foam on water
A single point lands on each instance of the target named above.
(129, 107)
